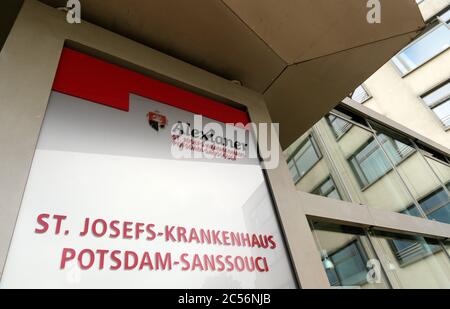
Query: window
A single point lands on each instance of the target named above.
(346, 266)
(370, 163)
(445, 18)
(397, 150)
(413, 261)
(439, 102)
(338, 125)
(345, 252)
(437, 206)
(425, 47)
(327, 189)
(360, 94)
(408, 250)
(307, 155)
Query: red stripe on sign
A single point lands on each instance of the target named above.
(104, 83)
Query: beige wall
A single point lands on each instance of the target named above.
(398, 98)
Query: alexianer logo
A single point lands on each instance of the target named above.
(156, 120)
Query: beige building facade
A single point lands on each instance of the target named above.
(402, 96)
(354, 158)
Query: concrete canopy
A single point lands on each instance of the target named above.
(304, 56)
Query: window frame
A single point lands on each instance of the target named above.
(330, 124)
(432, 27)
(435, 208)
(359, 247)
(369, 95)
(380, 148)
(438, 103)
(310, 138)
(315, 190)
(413, 253)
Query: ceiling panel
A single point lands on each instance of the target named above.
(205, 33)
(304, 55)
(299, 30)
(304, 93)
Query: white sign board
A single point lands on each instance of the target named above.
(107, 206)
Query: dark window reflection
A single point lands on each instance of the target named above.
(413, 261)
(370, 163)
(345, 253)
(347, 266)
(435, 205)
(410, 249)
(305, 157)
(338, 125)
(327, 189)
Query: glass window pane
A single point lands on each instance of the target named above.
(443, 112)
(332, 276)
(327, 189)
(347, 256)
(423, 49)
(350, 264)
(413, 261)
(441, 169)
(369, 174)
(370, 163)
(445, 17)
(437, 95)
(338, 125)
(317, 175)
(441, 214)
(435, 200)
(294, 172)
(416, 174)
(327, 185)
(396, 150)
(360, 95)
(334, 194)
(412, 211)
(306, 157)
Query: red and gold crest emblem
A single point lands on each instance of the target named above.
(156, 120)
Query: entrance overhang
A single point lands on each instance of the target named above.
(304, 56)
